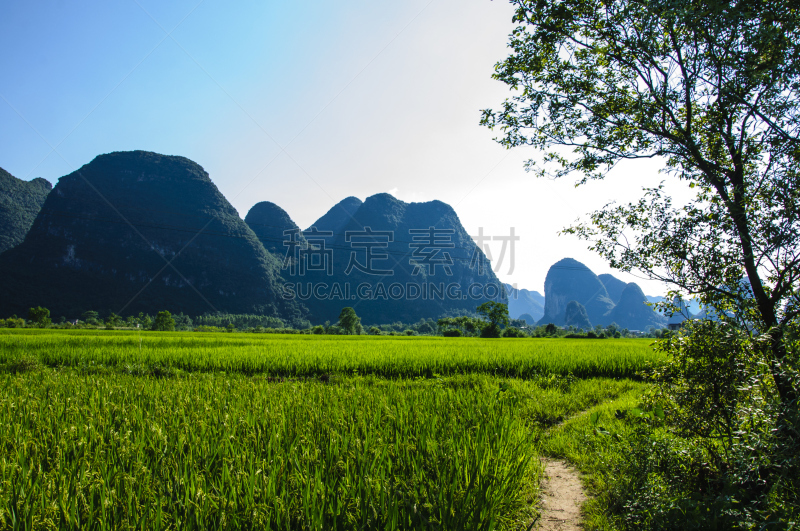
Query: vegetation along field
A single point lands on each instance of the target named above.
(108, 429)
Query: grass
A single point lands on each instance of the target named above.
(311, 356)
(592, 446)
(253, 432)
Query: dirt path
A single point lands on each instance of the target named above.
(562, 496)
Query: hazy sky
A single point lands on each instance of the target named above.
(301, 104)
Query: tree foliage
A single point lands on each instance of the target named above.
(39, 316)
(710, 88)
(464, 324)
(349, 321)
(496, 315)
(164, 322)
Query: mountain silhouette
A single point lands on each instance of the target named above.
(339, 215)
(414, 246)
(614, 286)
(269, 222)
(20, 201)
(529, 319)
(523, 301)
(575, 315)
(632, 311)
(138, 231)
(569, 280)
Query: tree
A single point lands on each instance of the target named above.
(496, 314)
(349, 321)
(164, 322)
(514, 332)
(468, 326)
(183, 321)
(90, 317)
(710, 88)
(113, 320)
(39, 316)
(426, 328)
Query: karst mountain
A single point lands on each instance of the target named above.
(20, 202)
(138, 231)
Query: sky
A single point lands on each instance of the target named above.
(298, 103)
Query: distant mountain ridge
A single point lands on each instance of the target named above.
(270, 223)
(632, 312)
(569, 280)
(523, 301)
(598, 300)
(420, 245)
(20, 202)
(338, 216)
(138, 231)
(613, 285)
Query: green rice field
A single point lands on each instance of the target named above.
(311, 355)
(127, 430)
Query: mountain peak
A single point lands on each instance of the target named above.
(339, 215)
(614, 286)
(632, 311)
(569, 280)
(138, 231)
(269, 222)
(143, 166)
(20, 203)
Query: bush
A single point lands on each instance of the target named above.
(39, 316)
(204, 328)
(491, 331)
(729, 457)
(452, 333)
(13, 322)
(513, 332)
(164, 322)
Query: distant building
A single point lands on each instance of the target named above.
(679, 316)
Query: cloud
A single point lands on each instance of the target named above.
(394, 191)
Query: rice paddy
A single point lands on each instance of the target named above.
(310, 355)
(126, 430)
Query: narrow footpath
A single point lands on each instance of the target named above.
(562, 496)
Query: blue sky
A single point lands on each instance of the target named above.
(301, 104)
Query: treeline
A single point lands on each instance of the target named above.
(489, 321)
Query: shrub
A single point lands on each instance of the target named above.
(730, 455)
(491, 331)
(513, 332)
(164, 322)
(39, 316)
